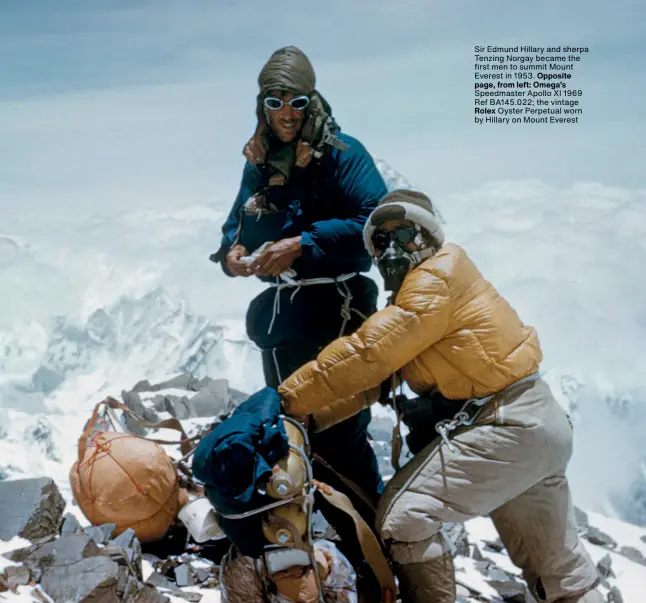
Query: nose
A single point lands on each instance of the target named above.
(288, 112)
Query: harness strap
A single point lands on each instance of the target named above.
(286, 281)
(367, 539)
(356, 489)
(185, 441)
(471, 409)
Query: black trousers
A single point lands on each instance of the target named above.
(308, 320)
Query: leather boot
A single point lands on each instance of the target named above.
(431, 581)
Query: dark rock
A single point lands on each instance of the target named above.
(615, 596)
(132, 591)
(177, 407)
(71, 525)
(92, 580)
(604, 567)
(31, 508)
(127, 585)
(494, 545)
(208, 383)
(101, 534)
(19, 555)
(210, 402)
(125, 539)
(161, 582)
(134, 403)
(498, 575)
(596, 536)
(510, 590)
(643, 537)
(63, 551)
(483, 567)
(633, 554)
(151, 416)
(132, 547)
(184, 576)
(184, 381)
(476, 554)
(17, 576)
(147, 594)
(201, 574)
(120, 556)
(157, 580)
(581, 519)
(159, 402)
(142, 386)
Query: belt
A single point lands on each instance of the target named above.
(286, 281)
(472, 408)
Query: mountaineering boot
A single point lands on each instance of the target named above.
(431, 581)
(592, 596)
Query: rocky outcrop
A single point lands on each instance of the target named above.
(31, 508)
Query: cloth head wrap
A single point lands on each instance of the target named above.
(404, 204)
(289, 70)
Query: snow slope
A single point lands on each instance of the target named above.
(93, 303)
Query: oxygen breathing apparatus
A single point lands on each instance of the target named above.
(395, 260)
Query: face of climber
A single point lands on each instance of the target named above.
(285, 113)
(401, 234)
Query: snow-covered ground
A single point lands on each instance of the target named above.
(93, 303)
(627, 575)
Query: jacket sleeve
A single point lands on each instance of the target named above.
(359, 187)
(248, 186)
(386, 342)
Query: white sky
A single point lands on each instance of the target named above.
(113, 105)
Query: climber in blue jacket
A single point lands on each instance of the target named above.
(307, 190)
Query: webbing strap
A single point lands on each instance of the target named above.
(367, 539)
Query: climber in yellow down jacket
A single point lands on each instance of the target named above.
(449, 332)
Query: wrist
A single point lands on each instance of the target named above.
(295, 245)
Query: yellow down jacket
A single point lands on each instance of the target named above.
(448, 328)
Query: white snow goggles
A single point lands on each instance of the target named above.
(298, 102)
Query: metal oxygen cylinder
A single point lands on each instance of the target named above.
(276, 532)
(287, 480)
(289, 473)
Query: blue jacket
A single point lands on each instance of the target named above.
(327, 203)
(235, 459)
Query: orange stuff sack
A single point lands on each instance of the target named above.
(126, 480)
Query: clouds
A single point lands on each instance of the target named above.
(110, 104)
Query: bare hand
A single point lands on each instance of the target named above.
(277, 258)
(234, 265)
